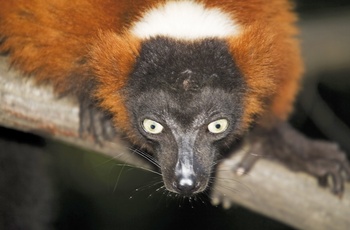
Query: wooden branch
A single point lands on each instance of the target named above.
(289, 197)
(28, 107)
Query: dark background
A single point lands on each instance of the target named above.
(92, 191)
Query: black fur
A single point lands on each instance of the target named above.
(184, 76)
(185, 86)
(164, 63)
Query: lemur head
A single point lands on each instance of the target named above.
(185, 101)
(185, 92)
(185, 80)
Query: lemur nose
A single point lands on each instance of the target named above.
(186, 185)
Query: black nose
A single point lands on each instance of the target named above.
(186, 186)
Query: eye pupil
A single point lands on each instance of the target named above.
(151, 126)
(218, 126)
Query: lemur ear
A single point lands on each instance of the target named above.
(111, 59)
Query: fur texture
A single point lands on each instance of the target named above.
(104, 53)
(185, 20)
(62, 35)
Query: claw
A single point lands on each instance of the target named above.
(95, 122)
(240, 171)
(337, 186)
(322, 159)
(323, 181)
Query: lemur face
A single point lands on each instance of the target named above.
(185, 99)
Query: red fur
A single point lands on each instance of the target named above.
(53, 39)
(113, 68)
(269, 56)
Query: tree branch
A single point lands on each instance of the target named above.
(289, 197)
(28, 107)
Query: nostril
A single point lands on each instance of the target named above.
(186, 182)
(186, 186)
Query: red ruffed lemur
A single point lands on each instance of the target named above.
(185, 80)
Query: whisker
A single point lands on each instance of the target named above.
(146, 187)
(107, 161)
(241, 187)
(139, 167)
(118, 178)
(162, 187)
(145, 156)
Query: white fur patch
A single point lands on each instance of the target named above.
(185, 20)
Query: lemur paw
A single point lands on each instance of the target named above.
(96, 123)
(329, 165)
(218, 198)
(322, 159)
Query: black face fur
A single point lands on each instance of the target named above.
(184, 86)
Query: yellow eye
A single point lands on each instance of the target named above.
(218, 126)
(152, 127)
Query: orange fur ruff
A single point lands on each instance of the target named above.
(52, 41)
